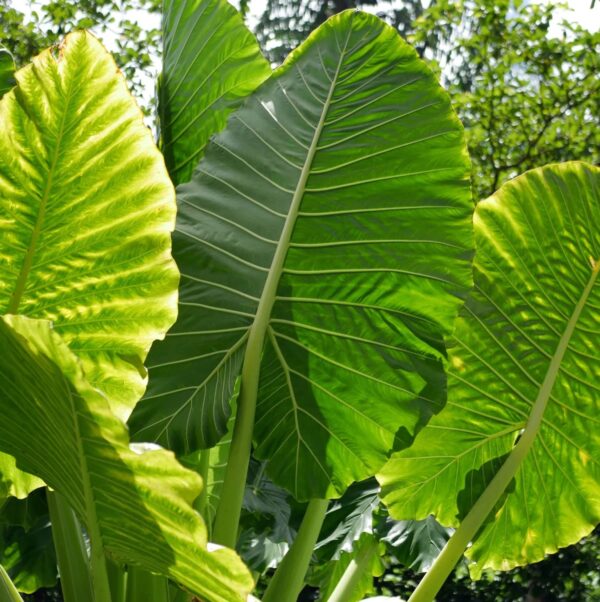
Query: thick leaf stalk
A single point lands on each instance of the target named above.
(288, 580)
(71, 552)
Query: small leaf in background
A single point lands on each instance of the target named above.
(347, 519)
(414, 543)
(15, 482)
(266, 524)
(26, 544)
(327, 575)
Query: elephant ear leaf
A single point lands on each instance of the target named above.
(324, 240)
(525, 367)
(7, 71)
(86, 210)
(135, 506)
(211, 62)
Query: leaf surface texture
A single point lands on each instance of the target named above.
(136, 504)
(538, 250)
(333, 212)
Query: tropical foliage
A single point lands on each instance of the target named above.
(323, 241)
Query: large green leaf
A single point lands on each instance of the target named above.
(86, 209)
(7, 71)
(26, 545)
(527, 337)
(135, 505)
(211, 62)
(331, 218)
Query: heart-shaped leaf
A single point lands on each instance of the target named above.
(328, 224)
(525, 364)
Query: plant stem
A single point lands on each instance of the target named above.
(71, 552)
(8, 591)
(346, 586)
(288, 580)
(457, 544)
(200, 503)
(143, 586)
(117, 578)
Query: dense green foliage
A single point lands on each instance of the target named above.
(324, 239)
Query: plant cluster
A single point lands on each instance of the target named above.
(309, 352)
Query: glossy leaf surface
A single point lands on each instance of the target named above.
(85, 213)
(136, 505)
(533, 318)
(332, 216)
(211, 62)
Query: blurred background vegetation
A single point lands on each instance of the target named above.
(526, 88)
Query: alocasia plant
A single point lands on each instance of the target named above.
(86, 212)
(135, 504)
(513, 459)
(324, 241)
(324, 245)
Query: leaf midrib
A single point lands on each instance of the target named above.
(263, 313)
(17, 295)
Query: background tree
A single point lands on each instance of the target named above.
(116, 22)
(284, 24)
(525, 96)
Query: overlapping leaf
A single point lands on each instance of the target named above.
(365, 550)
(211, 62)
(332, 216)
(26, 544)
(86, 209)
(136, 506)
(14, 482)
(7, 71)
(533, 318)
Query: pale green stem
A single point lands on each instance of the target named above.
(346, 586)
(117, 578)
(8, 591)
(71, 553)
(100, 580)
(232, 493)
(200, 503)
(288, 580)
(457, 544)
(143, 586)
